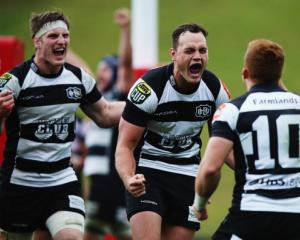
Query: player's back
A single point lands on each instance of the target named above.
(267, 150)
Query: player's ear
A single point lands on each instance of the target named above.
(172, 54)
(36, 42)
(245, 73)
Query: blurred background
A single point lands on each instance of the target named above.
(231, 25)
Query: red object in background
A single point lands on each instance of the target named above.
(109, 237)
(11, 54)
(138, 72)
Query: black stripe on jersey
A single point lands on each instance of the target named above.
(178, 161)
(294, 141)
(184, 111)
(277, 170)
(156, 78)
(172, 145)
(212, 83)
(12, 124)
(51, 95)
(91, 97)
(20, 71)
(222, 129)
(139, 118)
(42, 167)
(48, 132)
(277, 194)
(97, 151)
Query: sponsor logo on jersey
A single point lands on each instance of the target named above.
(203, 111)
(140, 93)
(74, 93)
(58, 127)
(4, 79)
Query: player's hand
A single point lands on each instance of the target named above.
(201, 214)
(122, 17)
(7, 103)
(136, 185)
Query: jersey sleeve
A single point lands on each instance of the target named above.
(92, 93)
(223, 96)
(141, 103)
(10, 82)
(225, 121)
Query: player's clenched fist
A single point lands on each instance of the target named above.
(136, 185)
(6, 103)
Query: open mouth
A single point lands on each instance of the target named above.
(195, 68)
(59, 51)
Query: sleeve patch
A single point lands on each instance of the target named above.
(140, 93)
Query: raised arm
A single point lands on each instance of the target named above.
(125, 71)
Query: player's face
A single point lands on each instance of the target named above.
(190, 58)
(104, 75)
(51, 48)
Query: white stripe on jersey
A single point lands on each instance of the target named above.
(52, 112)
(235, 237)
(96, 165)
(270, 101)
(271, 181)
(189, 170)
(101, 138)
(202, 93)
(29, 179)
(44, 152)
(254, 202)
(96, 136)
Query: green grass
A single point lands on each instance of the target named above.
(231, 24)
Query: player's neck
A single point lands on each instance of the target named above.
(45, 67)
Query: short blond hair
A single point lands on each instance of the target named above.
(264, 60)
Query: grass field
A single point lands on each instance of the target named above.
(231, 24)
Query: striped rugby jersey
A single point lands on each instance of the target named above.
(173, 120)
(264, 126)
(40, 129)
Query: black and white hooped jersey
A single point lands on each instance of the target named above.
(264, 126)
(40, 129)
(101, 143)
(173, 120)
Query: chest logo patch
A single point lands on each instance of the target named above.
(74, 93)
(140, 93)
(203, 111)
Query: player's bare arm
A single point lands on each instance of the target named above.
(129, 136)
(104, 113)
(209, 173)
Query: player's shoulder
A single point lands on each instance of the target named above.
(75, 70)
(212, 82)
(158, 74)
(20, 71)
(157, 78)
(210, 76)
(238, 101)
